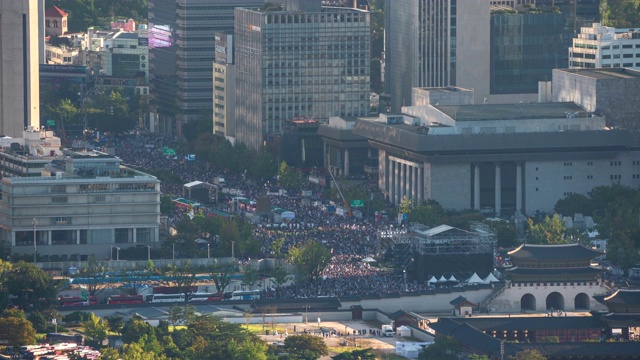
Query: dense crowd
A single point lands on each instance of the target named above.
(349, 239)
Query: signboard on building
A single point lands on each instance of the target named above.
(357, 203)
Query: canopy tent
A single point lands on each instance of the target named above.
(368, 259)
(474, 279)
(433, 280)
(453, 279)
(288, 215)
(442, 279)
(490, 279)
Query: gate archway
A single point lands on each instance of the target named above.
(582, 302)
(528, 302)
(555, 301)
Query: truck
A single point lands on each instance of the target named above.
(387, 330)
(220, 181)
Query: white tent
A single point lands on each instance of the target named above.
(288, 215)
(404, 331)
(490, 279)
(474, 279)
(433, 280)
(442, 279)
(453, 279)
(368, 259)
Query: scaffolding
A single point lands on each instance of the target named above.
(420, 241)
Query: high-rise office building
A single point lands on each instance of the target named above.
(181, 54)
(19, 70)
(525, 48)
(436, 43)
(303, 61)
(224, 87)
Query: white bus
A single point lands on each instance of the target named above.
(155, 298)
(245, 295)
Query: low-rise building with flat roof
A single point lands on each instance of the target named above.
(82, 204)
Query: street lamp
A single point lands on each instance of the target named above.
(35, 225)
(208, 250)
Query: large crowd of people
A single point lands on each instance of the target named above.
(348, 238)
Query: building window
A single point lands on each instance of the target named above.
(589, 177)
(59, 200)
(99, 198)
(589, 163)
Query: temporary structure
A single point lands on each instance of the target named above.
(433, 280)
(404, 331)
(474, 279)
(442, 279)
(453, 279)
(368, 259)
(490, 279)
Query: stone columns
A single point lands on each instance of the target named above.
(392, 181)
(407, 180)
(324, 155)
(398, 190)
(78, 237)
(421, 183)
(476, 186)
(498, 191)
(416, 184)
(518, 187)
(49, 238)
(135, 235)
(346, 162)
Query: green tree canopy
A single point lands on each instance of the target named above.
(96, 328)
(305, 344)
(309, 259)
(550, 231)
(31, 286)
(17, 331)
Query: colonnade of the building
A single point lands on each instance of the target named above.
(497, 187)
(405, 178)
(341, 168)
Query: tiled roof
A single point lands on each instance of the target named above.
(624, 296)
(55, 11)
(554, 252)
(555, 272)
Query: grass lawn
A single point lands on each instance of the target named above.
(259, 329)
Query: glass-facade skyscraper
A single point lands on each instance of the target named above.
(181, 54)
(525, 48)
(435, 43)
(309, 64)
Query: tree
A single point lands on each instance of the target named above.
(134, 329)
(250, 275)
(17, 331)
(478, 357)
(166, 205)
(305, 343)
(95, 272)
(96, 328)
(30, 286)
(405, 206)
(222, 274)
(279, 275)
(115, 323)
(574, 204)
(175, 315)
(182, 277)
(288, 177)
(528, 355)
(135, 280)
(620, 13)
(5, 269)
(310, 259)
(429, 213)
(65, 111)
(444, 348)
(254, 350)
(550, 231)
(364, 354)
(133, 351)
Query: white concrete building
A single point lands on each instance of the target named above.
(498, 158)
(605, 47)
(82, 205)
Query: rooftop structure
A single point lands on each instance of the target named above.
(26, 156)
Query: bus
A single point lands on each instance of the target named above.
(245, 295)
(125, 299)
(156, 298)
(219, 296)
(77, 301)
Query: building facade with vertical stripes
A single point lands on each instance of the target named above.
(19, 68)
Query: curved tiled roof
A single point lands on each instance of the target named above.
(55, 11)
(554, 252)
(624, 296)
(555, 271)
